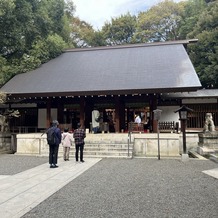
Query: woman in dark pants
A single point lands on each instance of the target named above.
(53, 148)
(79, 135)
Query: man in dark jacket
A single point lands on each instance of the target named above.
(53, 148)
(79, 135)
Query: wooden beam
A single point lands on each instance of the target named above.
(117, 114)
(153, 106)
(82, 111)
(48, 113)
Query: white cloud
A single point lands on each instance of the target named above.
(97, 12)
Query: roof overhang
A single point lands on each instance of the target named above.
(118, 70)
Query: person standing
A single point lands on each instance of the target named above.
(53, 134)
(95, 121)
(67, 140)
(138, 119)
(79, 135)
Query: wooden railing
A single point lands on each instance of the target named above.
(169, 126)
(136, 127)
(23, 129)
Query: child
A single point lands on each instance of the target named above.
(67, 140)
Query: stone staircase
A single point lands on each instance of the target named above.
(105, 146)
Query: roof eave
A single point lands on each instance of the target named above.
(106, 92)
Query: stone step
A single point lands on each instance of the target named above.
(104, 150)
(196, 155)
(107, 156)
(101, 152)
(72, 156)
(111, 145)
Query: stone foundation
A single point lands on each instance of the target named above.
(5, 143)
(144, 145)
(147, 145)
(208, 143)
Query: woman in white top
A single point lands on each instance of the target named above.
(67, 140)
(138, 119)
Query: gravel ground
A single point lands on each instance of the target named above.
(11, 164)
(139, 188)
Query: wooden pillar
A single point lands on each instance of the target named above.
(117, 114)
(122, 115)
(48, 113)
(88, 113)
(60, 112)
(128, 120)
(82, 111)
(153, 106)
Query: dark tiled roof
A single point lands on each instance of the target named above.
(140, 68)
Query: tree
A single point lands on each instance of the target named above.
(120, 30)
(32, 32)
(193, 9)
(70, 8)
(12, 21)
(204, 54)
(55, 44)
(160, 23)
(83, 34)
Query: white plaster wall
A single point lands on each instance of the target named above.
(42, 117)
(168, 114)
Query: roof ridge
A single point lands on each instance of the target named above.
(184, 42)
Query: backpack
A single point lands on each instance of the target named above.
(51, 136)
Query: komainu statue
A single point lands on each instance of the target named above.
(209, 124)
(4, 119)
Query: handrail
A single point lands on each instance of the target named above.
(23, 129)
(129, 141)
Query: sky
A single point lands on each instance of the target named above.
(97, 12)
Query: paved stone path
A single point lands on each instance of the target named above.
(212, 172)
(21, 192)
(112, 188)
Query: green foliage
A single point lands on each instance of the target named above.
(83, 34)
(120, 30)
(7, 70)
(6, 7)
(193, 9)
(204, 54)
(40, 50)
(55, 45)
(69, 8)
(32, 32)
(160, 23)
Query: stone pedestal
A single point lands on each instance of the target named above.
(185, 157)
(208, 142)
(5, 143)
